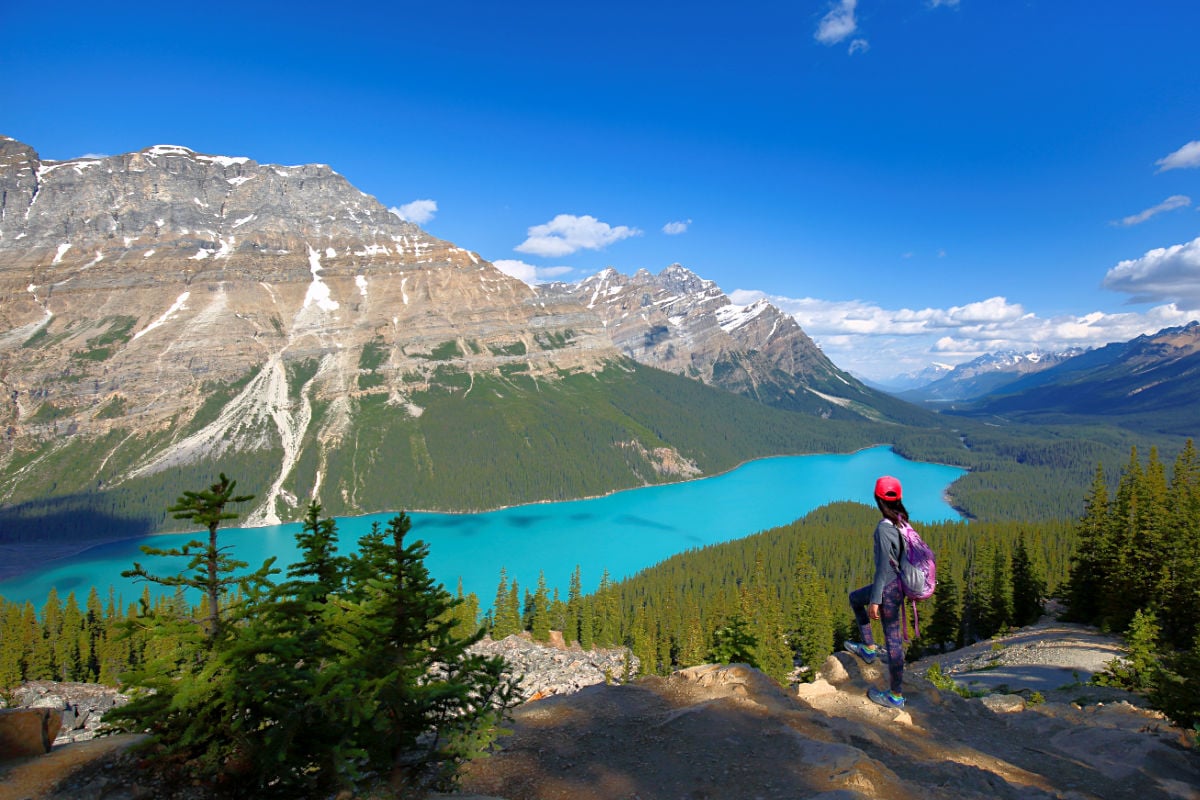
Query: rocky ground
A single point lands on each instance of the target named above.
(728, 732)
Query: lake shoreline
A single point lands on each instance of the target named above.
(21, 563)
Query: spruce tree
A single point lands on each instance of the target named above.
(1028, 588)
(572, 630)
(1181, 570)
(69, 658)
(11, 651)
(1000, 591)
(945, 627)
(539, 617)
(734, 643)
(643, 641)
(503, 623)
(213, 571)
(1091, 564)
(587, 624)
(812, 637)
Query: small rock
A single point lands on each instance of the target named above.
(834, 671)
(1004, 703)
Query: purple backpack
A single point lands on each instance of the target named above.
(917, 567)
(918, 572)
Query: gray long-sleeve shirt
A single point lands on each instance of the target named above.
(887, 556)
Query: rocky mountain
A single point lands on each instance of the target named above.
(1150, 382)
(166, 312)
(679, 322)
(984, 375)
(136, 286)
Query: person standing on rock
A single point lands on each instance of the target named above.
(882, 598)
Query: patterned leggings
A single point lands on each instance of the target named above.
(889, 615)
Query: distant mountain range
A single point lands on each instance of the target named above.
(1150, 383)
(981, 376)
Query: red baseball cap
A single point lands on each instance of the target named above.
(887, 488)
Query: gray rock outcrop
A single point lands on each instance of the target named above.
(80, 706)
(682, 323)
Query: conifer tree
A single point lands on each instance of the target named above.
(1094, 553)
(692, 649)
(760, 604)
(587, 624)
(733, 643)
(977, 608)
(1181, 571)
(10, 646)
(607, 623)
(52, 634)
(999, 591)
(503, 623)
(1139, 670)
(945, 627)
(642, 641)
(67, 648)
(558, 615)
(539, 617)
(215, 573)
(512, 605)
(1174, 690)
(572, 626)
(812, 637)
(1028, 588)
(1121, 594)
(94, 626)
(35, 651)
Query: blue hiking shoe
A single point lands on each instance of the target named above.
(885, 699)
(867, 653)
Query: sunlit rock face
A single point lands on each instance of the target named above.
(680, 322)
(131, 285)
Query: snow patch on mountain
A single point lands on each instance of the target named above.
(732, 317)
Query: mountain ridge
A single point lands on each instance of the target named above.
(682, 323)
(1148, 383)
(987, 374)
(164, 311)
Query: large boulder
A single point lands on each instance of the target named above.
(28, 731)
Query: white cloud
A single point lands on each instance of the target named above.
(839, 24)
(567, 233)
(418, 211)
(528, 272)
(880, 343)
(1184, 158)
(859, 46)
(1166, 274)
(676, 228)
(947, 3)
(1170, 204)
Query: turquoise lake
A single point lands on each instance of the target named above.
(623, 532)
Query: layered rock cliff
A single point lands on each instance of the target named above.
(132, 286)
(682, 323)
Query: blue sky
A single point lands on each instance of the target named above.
(915, 180)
